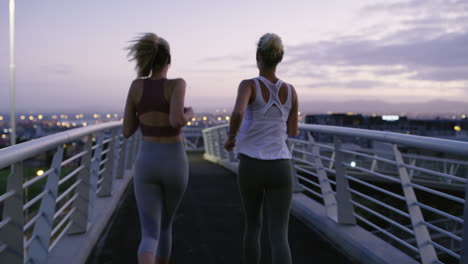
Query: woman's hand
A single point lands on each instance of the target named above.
(230, 143)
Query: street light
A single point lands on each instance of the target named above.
(12, 73)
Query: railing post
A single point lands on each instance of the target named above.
(297, 188)
(95, 166)
(464, 244)
(121, 164)
(327, 192)
(345, 209)
(219, 139)
(39, 248)
(128, 154)
(80, 217)
(423, 238)
(108, 174)
(12, 233)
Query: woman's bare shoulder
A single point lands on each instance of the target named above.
(177, 82)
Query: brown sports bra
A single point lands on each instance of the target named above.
(153, 100)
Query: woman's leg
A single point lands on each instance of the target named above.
(278, 197)
(150, 203)
(175, 178)
(252, 198)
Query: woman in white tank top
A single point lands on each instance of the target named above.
(265, 114)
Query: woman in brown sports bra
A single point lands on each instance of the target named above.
(155, 104)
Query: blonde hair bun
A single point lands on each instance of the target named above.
(270, 47)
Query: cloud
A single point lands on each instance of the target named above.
(225, 58)
(356, 84)
(59, 69)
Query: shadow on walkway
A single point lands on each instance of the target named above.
(208, 226)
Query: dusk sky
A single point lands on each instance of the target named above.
(70, 54)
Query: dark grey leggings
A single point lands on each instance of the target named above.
(270, 180)
(161, 176)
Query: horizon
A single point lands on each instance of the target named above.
(335, 52)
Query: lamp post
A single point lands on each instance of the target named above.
(12, 74)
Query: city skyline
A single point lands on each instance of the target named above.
(397, 52)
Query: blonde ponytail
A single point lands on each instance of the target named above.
(149, 51)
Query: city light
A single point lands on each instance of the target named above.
(4, 136)
(353, 164)
(457, 128)
(219, 118)
(227, 117)
(54, 117)
(95, 115)
(390, 117)
(1, 118)
(85, 124)
(39, 172)
(204, 118)
(22, 117)
(31, 118)
(189, 123)
(116, 115)
(193, 119)
(462, 116)
(40, 117)
(108, 116)
(59, 124)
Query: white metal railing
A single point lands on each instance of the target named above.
(84, 164)
(193, 139)
(408, 190)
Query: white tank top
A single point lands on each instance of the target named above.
(262, 134)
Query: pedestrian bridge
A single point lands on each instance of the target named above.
(361, 196)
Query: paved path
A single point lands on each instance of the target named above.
(208, 226)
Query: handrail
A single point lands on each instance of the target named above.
(443, 145)
(26, 150)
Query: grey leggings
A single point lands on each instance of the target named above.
(161, 176)
(270, 180)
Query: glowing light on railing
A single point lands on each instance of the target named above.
(22, 117)
(40, 117)
(390, 117)
(39, 172)
(4, 136)
(353, 164)
(457, 128)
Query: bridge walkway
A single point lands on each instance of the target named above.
(208, 226)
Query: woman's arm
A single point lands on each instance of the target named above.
(178, 116)
(244, 93)
(292, 123)
(130, 122)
